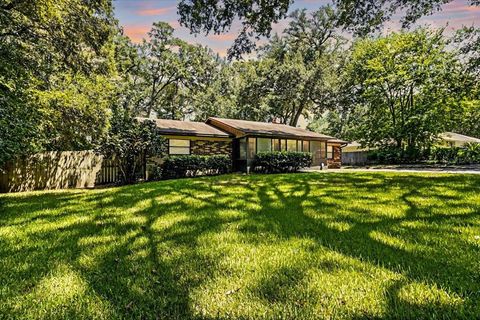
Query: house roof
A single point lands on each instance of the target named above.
(269, 129)
(354, 146)
(452, 136)
(187, 128)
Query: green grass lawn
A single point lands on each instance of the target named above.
(305, 246)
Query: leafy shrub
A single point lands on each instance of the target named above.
(469, 153)
(155, 172)
(194, 165)
(385, 156)
(283, 161)
(395, 155)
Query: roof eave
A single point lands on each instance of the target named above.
(284, 136)
(191, 134)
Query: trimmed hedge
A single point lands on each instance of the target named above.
(194, 165)
(281, 161)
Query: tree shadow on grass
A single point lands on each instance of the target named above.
(141, 253)
(440, 268)
(132, 273)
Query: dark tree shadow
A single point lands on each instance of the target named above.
(145, 269)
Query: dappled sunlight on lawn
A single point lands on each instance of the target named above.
(313, 245)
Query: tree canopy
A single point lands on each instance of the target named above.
(256, 17)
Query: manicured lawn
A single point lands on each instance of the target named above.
(336, 245)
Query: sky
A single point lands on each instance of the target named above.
(137, 16)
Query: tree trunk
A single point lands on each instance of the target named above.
(294, 120)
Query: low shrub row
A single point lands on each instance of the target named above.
(281, 161)
(394, 155)
(468, 154)
(194, 165)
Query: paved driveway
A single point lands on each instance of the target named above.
(466, 169)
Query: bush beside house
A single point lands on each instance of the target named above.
(194, 165)
(468, 154)
(281, 161)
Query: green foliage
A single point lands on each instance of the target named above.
(394, 155)
(287, 246)
(194, 165)
(402, 84)
(75, 112)
(130, 142)
(257, 17)
(165, 76)
(52, 56)
(217, 16)
(468, 154)
(281, 161)
(295, 75)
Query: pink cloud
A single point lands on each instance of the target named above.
(223, 37)
(174, 24)
(154, 11)
(456, 7)
(136, 32)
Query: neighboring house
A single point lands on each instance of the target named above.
(452, 139)
(354, 154)
(242, 140)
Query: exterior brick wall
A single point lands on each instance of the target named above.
(336, 162)
(210, 147)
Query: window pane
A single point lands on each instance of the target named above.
(179, 150)
(251, 148)
(243, 148)
(264, 145)
(178, 146)
(329, 152)
(306, 147)
(292, 145)
(314, 146)
(283, 145)
(179, 143)
(276, 145)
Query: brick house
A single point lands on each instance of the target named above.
(242, 139)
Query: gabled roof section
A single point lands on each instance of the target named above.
(452, 136)
(243, 127)
(187, 128)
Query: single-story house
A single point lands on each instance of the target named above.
(242, 140)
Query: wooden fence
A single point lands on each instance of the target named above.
(355, 158)
(58, 170)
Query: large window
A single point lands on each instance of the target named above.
(243, 148)
(329, 152)
(264, 145)
(306, 146)
(314, 147)
(251, 148)
(292, 145)
(178, 146)
(276, 145)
